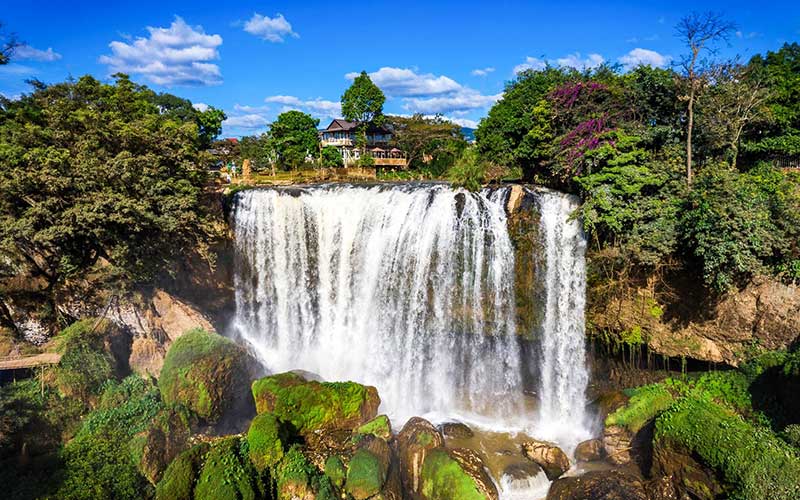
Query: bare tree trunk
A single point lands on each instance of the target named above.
(689, 138)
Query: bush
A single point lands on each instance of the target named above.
(469, 172)
(85, 363)
(330, 157)
(203, 372)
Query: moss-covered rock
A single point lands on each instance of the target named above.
(167, 436)
(368, 468)
(178, 480)
(296, 476)
(415, 440)
(378, 427)
(227, 473)
(310, 405)
(265, 439)
(204, 372)
(445, 477)
(335, 470)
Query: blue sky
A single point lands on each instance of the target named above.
(257, 59)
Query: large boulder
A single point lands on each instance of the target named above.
(308, 405)
(686, 477)
(455, 474)
(553, 461)
(598, 485)
(617, 444)
(589, 451)
(368, 469)
(204, 372)
(415, 440)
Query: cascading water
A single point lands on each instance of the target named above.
(408, 288)
(563, 371)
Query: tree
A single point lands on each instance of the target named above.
(428, 140)
(257, 150)
(209, 121)
(294, 136)
(363, 101)
(738, 97)
(96, 183)
(8, 43)
(330, 157)
(700, 32)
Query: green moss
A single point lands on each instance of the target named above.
(179, 479)
(294, 473)
(335, 470)
(310, 405)
(424, 438)
(264, 440)
(228, 474)
(444, 479)
(200, 372)
(632, 336)
(751, 459)
(378, 427)
(645, 403)
(365, 476)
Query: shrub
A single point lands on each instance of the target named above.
(85, 364)
(468, 172)
(202, 371)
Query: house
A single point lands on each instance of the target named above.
(341, 134)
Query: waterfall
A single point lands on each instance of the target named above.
(408, 288)
(563, 371)
(411, 288)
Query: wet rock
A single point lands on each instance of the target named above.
(379, 426)
(309, 405)
(589, 451)
(456, 474)
(550, 458)
(522, 471)
(686, 476)
(324, 443)
(368, 469)
(599, 485)
(456, 430)
(417, 438)
(617, 444)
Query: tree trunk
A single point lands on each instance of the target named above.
(689, 138)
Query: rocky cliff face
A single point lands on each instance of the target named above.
(763, 316)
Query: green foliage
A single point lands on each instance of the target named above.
(293, 137)
(363, 101)
(228, 474)
(443, 478)
(179, 479)
(265, 439)
(201, 372)
(742, 225)
(335, 470)
(100, 461)
(378, 427)
(258, 150)
(645, 403)
(20, 403)
(94, 174)
(751, 459)
(433, 142)
(469, 171)
(365, 475)
(310, 405)
(85, 364)
(330, 157)
(791, 434)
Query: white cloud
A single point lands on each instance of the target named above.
(274, 29)
(178, 55)
(28, 52)
(319, 108)
(643, 57)
(250, 109)
(530, 63)
(463, 100)
(249, 121)
(200, 106)
(482, 71)
(408, 83)
(576, 61)
(464, 122)
(750, 35)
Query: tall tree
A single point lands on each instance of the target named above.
(96, 184)
(363, 101)
(700, 32)
(294, 136)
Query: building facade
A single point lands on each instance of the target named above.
(341, 134)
